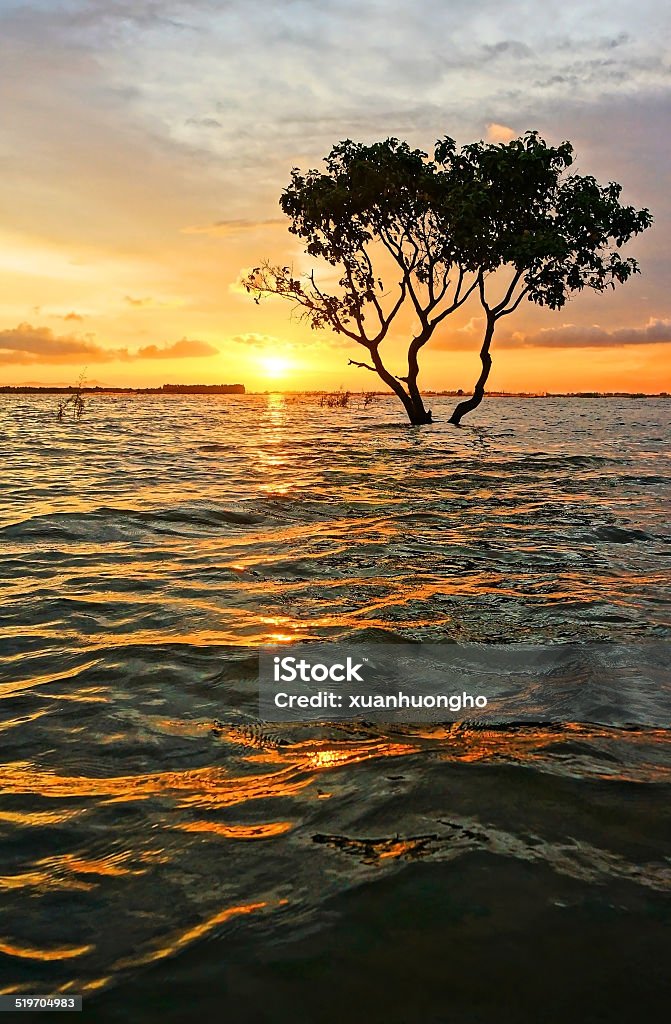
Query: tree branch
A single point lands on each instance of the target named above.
(456, 302)
(481, 285)
(331, 315)
(506, 298)
(525, 291)
(365, 366)
(374, 298)
(357, 305)
(387, 322)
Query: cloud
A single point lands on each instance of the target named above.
(237, 287)
(311, 341)
(256, 340)
(466, 338)
(203, 122)
(499, 132)
(150, 303)
(509, 48)
(655, 332)
(229, 228)
(26, 345)
(184, 349)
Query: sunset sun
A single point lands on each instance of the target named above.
(275, 366)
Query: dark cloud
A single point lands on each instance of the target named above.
(27, 345)
(509, 48)
(203, 122)
(655, 332)
(468, 338)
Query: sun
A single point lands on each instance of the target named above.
(275, 366)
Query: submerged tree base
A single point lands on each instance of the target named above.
(419, 417)
(461, 410)
(465, 407)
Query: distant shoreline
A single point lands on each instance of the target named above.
(165, 389)
(239, 389)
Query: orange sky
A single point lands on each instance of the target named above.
(148, 148)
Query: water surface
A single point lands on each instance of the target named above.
(150, 549)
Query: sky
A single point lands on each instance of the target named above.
(146, 143)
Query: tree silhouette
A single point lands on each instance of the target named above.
(447, 226)
(519, 216)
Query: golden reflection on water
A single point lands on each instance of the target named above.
(262, 831)
(205, 787)
(185, 938)
(42, 881)
(272, 463)
(396, 848)
(20, 686)
(36, 818)
(537, 743)
(337, 757)
(12, 723)
(202, 787)
(62, 872)
(31, 953)
(112, 866)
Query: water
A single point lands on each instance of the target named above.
(376, 873)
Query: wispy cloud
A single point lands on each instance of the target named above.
(150, 303)
(229, 228)
(252, 340)
(203, 122)
(71, 316)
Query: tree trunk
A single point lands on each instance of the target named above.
(417, 414)
(412, 403)
(479, 389)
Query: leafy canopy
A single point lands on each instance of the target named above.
(448, 223)
(513, 204)
(384, 195)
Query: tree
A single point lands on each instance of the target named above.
(517, 214)
(375, 204)
(447, 225)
